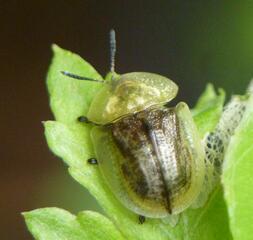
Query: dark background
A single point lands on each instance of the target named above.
(191, 42)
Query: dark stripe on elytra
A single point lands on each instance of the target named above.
(148, 126)
(142, 123)
(140, 186)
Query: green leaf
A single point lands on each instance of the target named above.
(98, 226)
(58, 224)
(208, 109)
(71, 141)
(69, 97)
(237, 177)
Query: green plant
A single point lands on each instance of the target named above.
(224, 216)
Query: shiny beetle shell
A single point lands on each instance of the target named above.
(150, 156)
(130, 93)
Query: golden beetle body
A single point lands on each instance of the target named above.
(150, 156)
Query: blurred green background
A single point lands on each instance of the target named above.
(191, 42)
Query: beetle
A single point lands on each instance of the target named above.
(151, 155)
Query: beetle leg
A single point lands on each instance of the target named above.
(84, 119)
(141, 219)
(92, 161)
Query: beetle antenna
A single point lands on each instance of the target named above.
(71, 75)
(112, 49)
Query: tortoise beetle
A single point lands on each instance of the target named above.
(150, 155)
